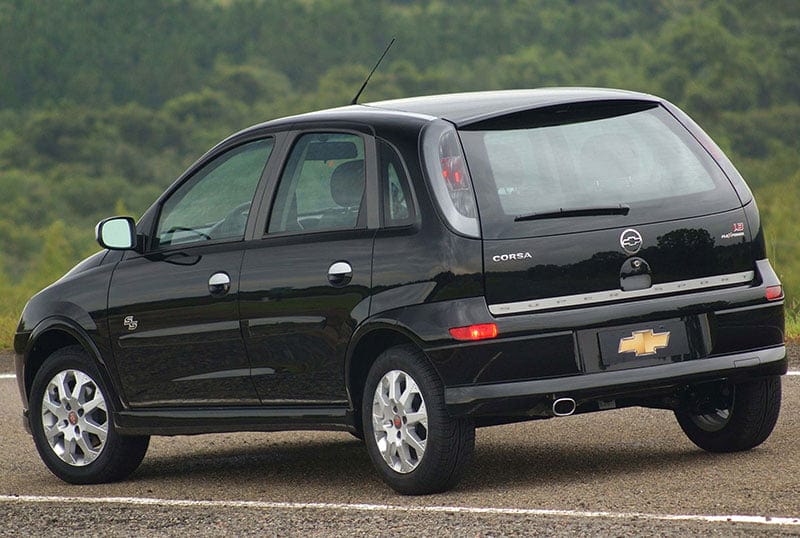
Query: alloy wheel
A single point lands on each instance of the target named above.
(712, 422)
(400, 421)
(75, 417)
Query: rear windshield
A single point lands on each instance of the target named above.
(560, 169)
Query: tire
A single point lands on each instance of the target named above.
(69, 400)
(416, 447)
(745, 422)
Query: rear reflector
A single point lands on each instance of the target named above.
(481, 331)
(773, 293)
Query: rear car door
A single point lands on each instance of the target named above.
(305, 285)
(603, 202)
(173, 311)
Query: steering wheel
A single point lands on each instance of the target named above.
(233, 223)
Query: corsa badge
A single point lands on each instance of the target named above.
(644, 342)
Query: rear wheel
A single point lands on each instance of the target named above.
(72, 425)
(413, 443)
(732, 418)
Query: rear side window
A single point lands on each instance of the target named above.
(397, 200)
(590, 155)
(322, 186)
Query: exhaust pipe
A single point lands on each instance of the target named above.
(563, 407)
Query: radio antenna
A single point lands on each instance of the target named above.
(355, 99)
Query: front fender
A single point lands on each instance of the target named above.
(52, 333)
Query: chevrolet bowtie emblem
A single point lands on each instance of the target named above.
(644, 342)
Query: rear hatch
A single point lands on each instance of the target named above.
(599, 202)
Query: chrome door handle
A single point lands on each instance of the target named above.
(219, 284)
(340, 274)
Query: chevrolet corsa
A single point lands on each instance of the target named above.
(410, 270)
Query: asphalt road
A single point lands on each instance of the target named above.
(623, 472)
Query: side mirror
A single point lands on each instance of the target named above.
(116, 233)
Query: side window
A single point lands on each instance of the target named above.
(398, 205)
(215, 202)
(322, 186)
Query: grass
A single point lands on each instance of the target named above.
(11, 306)
(793, 322)
(8, 325)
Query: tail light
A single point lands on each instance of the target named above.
(481, 331)
(454, 173)
(774, 293)
(449, 177)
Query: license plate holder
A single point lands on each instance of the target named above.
(645, 343)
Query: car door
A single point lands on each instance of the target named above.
(173, 312)
(305, 284)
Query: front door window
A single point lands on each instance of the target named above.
(215, 202)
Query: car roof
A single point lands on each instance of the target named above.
(466, 108)
(461, 109)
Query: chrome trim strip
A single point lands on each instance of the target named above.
(240, 372)
(567, 301)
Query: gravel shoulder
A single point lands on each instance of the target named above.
(6, 361)
(157, 522)
(793, 350)
(629, 463)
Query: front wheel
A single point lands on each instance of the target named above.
(72, 424)
(414, 444)
(733, 417)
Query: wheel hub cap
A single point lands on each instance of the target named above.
(74, 417)
(399, 421)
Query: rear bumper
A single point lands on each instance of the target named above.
(529, 398)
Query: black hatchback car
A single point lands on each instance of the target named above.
(408, 270)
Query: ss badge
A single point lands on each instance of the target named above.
(130, 323)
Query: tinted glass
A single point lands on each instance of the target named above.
(215, 202)
(398, 205)
(322, 186)
(589, 156)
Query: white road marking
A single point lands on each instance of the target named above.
(269, 505)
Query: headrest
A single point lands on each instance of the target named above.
(347, 183)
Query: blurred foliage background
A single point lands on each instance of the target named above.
(103, 104)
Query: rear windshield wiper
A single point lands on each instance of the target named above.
(618, 209)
